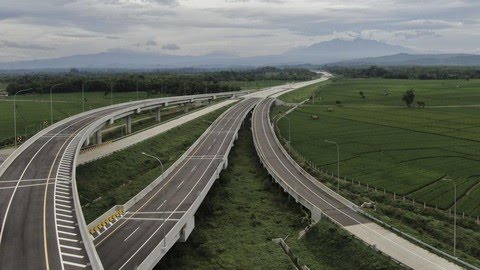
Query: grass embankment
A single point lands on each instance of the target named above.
(34, 110)
(244, 211)
(116, 178)
(388, 147)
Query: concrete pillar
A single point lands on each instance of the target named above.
(158, 115)
(87, 142)
(128, 124)
(98, 137)
(185, 107)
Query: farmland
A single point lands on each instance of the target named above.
(406, 151)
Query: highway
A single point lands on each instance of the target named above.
(322, 201)
(127, 243)
(39, 220)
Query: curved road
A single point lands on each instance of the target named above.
(322, 201)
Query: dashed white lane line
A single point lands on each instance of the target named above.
(131, 234)
(179, 185)
(161, 204)
(193, 168)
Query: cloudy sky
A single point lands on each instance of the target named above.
(32, 29)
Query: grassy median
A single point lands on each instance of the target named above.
(244, 211)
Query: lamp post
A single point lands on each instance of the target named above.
(455, 215)
(338, 163)
(137, 88)
(111, 93)
(289, 138)
(51, 102)
(15, 113)
(83, 94)
(163, 196)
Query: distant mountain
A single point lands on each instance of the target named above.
(338, 50)
(319, 53)
(404, 59)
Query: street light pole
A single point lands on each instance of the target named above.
(338, 163)
(455, 215)
(111, 93)
(289, 138)
(51, 102)
(163, 196)
(137, 89)
(15, 113)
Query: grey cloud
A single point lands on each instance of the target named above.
(15, 45)
(170, 47)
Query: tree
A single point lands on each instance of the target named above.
(409, 97)
(362, 94)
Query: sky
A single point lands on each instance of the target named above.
(32, 29)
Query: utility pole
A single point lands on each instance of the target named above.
(15, 113)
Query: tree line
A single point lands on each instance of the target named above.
(173, 83)
(408, 72)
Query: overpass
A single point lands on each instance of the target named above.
(42, 225)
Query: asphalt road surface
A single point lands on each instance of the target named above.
(130, 240)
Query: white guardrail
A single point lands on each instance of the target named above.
(357, 209)
(134, 106)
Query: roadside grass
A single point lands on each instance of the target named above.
(304, 93)
(114, 179)
(34, 110)
(247, 85)
(244, 211)
(388, 146)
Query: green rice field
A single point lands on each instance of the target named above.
(407, 151)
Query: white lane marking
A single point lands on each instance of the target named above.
(75, 264)
(68, 239)
(61, 196)
(193, 168)
(63, 192)
(157, 207)
(62, 188)
(63, 205)
(67, 233)
(131, 234)
(154, 219)
(69, 247)
(224, 139)
(63, 215)
(214, 139)
(179, 185)
(65, 211)
(352, 218)
(27, 180)
(66, 221)
(159, 212)
(64, 201)
(22, 186)
(72, 255)
(66, 226)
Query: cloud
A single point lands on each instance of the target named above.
(15, 45)
(243, 27)
(170, 47)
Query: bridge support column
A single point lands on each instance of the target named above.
(187, 229)
(128, 124)
(158, 115)
(86, 142)
(185, 107)
(98, 137)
